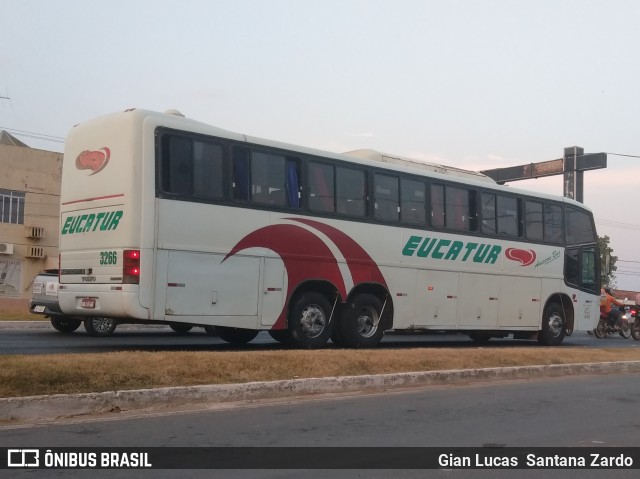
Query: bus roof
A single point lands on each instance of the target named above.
(175, 119)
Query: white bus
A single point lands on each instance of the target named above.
(166, 219)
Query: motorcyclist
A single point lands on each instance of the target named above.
(607, 301)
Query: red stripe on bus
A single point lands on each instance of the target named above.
(93, 199)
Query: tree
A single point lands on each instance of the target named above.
(606, 258)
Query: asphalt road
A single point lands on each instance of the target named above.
(41, 338)
(585, 411)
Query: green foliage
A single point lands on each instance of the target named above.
(607, 266)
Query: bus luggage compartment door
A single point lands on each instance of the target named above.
(201, 284)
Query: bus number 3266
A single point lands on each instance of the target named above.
(108, 257)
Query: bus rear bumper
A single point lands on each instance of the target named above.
(111, 301)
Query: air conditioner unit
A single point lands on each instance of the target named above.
(35, 252)
(36, 232)
(6, 248)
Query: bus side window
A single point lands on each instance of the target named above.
(437, 206)
(240, 173)
(552, 223)
(508, 217)
(351, 191)
(268, 179)
(412, 202)
(488, 213)
(589, 270)
(207, 170)
(533, 220)
(321, 187)
(572, 266)
(293, 183)
(177, 166)
(457, 208)
(386, 202)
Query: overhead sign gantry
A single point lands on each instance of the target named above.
(572, 165)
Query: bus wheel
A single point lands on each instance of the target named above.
(360, 323)
(281, 335)
(181, 328)
(64, 324)
(553, 326)
(236, 335)
(210, 330)
(309, 321)
(100, 326)
(480, 337)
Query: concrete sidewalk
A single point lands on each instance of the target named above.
(18, 410)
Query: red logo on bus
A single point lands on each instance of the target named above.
(94, 160)
(524, 256)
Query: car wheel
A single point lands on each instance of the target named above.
(98, 326)
(64, 324)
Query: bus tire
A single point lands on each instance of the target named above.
(361, 323)
(310, 322)
(65, 324)
(283, 336)
(553, 326)
(480, 337)
(236, 335)
(210, 330)
(100, 326)
(181, 328)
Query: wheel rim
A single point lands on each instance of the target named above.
(601, 330)
(102, 325)
(556, 324)
(625, 331)
(367, 321)
(313, 321)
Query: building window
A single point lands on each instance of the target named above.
(11, 207)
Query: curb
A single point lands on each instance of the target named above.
(43, 408)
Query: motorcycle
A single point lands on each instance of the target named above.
(634, 323)
(605, 327)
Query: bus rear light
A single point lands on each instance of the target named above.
(131, 266)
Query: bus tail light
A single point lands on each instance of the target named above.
(131, 266)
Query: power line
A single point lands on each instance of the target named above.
(617, 224)
(622, 154)
(31, 134)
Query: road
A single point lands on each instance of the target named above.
(43, 339)
(586, 411)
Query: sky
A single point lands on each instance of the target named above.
(473, 84)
